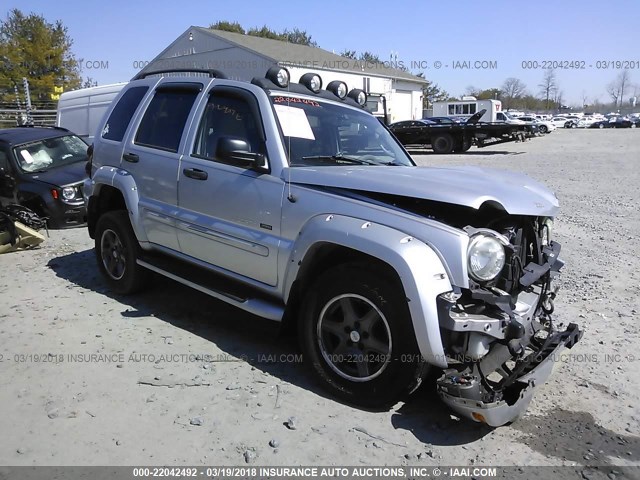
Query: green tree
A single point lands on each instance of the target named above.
(431, 92)
(296, 36)
(349, 54)
(228, 26)
(369, 57)
(40, 51)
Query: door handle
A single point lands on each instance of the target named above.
(195, 173)
(131, 157)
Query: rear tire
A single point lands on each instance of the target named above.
(462, 146)
(543, 129)
(117, 250)
(442, 143)
(357, 336)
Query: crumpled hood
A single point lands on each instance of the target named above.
(469, 186)
(63, 175)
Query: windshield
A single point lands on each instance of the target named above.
(322, 133)
(49, 153)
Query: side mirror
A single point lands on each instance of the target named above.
(236, 150)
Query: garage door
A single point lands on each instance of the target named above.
(401, 106)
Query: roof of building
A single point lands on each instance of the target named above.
(309, 57)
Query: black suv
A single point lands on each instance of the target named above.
(43, 169)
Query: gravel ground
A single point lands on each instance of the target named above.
(179, 378)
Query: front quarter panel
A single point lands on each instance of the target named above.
(125, 183)
(421, 272)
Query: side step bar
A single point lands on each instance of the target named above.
(211, 286)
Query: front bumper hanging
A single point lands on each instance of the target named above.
(471, 396)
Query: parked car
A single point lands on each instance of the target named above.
(614, 122)
(559, 122)
(544, 126)
(44, 170)
(443, 120)
(586, 122)
(294, 203)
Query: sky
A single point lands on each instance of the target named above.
(487, 41)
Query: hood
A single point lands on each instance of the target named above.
(517, 193)
(63, 175)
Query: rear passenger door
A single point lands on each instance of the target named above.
(151, 155)
(229, 212)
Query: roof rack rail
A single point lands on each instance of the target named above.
(43, 126)
(212, 73)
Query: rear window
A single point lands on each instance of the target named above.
(122, 113)
(164, 121)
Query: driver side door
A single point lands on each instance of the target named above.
(229, 212)
(7, 181)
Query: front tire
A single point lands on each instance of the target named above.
(117, 250)
(357, 336)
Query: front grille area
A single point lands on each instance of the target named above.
(526, 248)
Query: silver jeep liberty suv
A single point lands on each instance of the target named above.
(290, 201)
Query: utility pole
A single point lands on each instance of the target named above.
(27, 96)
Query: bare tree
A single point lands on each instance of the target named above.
(613, 89)
(559, 98)
(617, 87)
(471, 91)
(549, 86)
(512, 89)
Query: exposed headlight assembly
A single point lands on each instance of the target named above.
(546, 230)
(485, 257)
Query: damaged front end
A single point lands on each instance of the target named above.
(499, 336)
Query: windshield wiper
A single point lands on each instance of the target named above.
(341, 158)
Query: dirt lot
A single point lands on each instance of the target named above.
(179, 378)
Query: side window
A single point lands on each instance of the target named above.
(122, 113)
(164, 121)
(226, 116)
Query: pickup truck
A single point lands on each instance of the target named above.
(458, 137)
(290, 201)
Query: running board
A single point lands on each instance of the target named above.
(210, 285)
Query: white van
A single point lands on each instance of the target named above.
(81, 110)
(469, 106)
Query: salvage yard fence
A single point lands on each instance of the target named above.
(14, 117)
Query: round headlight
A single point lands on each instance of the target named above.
(68, 193)
(359, 96)
(485, 257)
(338, 88)
(312, 81)
(279, 75)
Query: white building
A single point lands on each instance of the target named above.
(244, 57)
